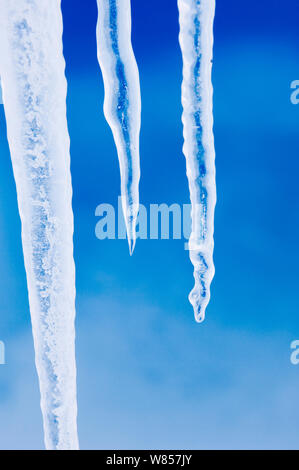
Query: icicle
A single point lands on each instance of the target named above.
(122, 106)
(34, 95)
(196, 41)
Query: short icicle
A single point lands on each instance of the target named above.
(122, 105)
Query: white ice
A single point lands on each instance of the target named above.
(196, 40)
(34, 95)
(122, 105)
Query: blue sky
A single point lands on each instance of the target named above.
(148, 375)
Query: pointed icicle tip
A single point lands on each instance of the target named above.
(132, 243)
(131, 215)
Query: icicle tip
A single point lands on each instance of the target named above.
(132, 243)
(199, 301)
(130, 212)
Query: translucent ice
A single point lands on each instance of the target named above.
(196, 41)
(122, 106)
(34, 94)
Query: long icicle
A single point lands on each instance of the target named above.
(196, 40)
(122, 105)
(34, 94)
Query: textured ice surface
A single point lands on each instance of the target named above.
(196, 41)
(122, 106)
(34, 95)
